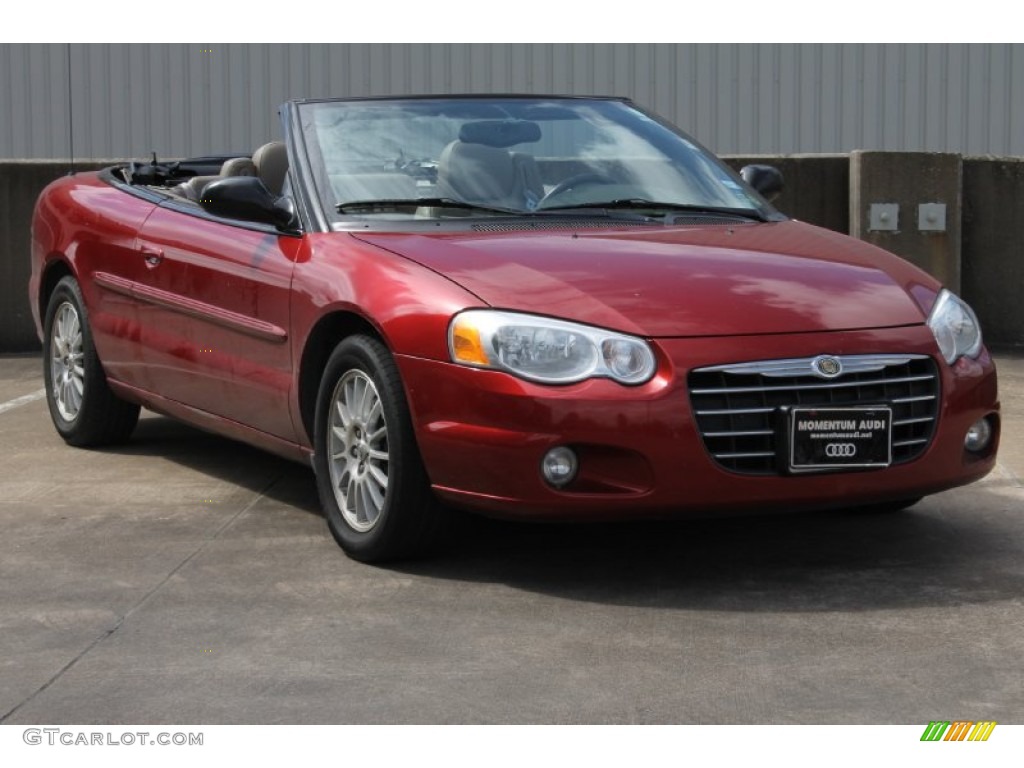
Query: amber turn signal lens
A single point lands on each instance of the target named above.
(466, 345)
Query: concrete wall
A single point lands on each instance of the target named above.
(817, 186)
(993, 245)
(904, 182)
(818, 191)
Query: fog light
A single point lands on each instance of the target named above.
(559, 466)
(978, 436)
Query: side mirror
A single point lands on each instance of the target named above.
(247, 198)
(766, 179)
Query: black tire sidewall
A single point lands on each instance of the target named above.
(407, 493)
(103, 417)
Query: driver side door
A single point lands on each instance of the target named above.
(214, 315)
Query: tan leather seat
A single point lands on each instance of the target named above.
(529, 177)
(271, 161)
(238, 166)
(192, 189)
(486, 175)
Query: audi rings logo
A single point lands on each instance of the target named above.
(840, 450)
(826, 366)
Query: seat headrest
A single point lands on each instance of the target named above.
(271, 162)
(238, 166)
(476, 172)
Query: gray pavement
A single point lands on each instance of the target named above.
(185, 578)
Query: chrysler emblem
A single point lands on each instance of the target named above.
(826, 366)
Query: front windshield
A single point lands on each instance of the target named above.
(445, 158)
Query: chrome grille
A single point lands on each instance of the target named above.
(737, 406)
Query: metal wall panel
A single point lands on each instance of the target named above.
(177, 99)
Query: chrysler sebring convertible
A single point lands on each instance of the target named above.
(529, 307)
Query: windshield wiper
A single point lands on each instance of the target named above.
(429, 202)
(641, 204)
(590, 209)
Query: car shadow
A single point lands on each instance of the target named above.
(958, 548)
(284, 481)
(941, 552)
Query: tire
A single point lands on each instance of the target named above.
(83, 409)
(372, 483)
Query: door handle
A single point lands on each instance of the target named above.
(153, 256)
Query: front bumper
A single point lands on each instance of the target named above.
(482, 435)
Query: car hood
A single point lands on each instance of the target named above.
(781, 277)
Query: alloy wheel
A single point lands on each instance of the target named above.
(358, 450)
(67, 371)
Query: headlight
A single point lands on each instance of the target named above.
(546, 350)
(955, 327)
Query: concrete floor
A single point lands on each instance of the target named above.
(185, 578)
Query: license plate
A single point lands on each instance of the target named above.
(840, 438)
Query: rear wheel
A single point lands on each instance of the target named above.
(83, 409)
(372, 484)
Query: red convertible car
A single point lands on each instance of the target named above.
(535, 307)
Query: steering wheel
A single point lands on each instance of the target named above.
(590, 178)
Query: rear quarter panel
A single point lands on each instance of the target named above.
(91, 226)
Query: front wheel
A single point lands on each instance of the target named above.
(84, 410)
(371, 480)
